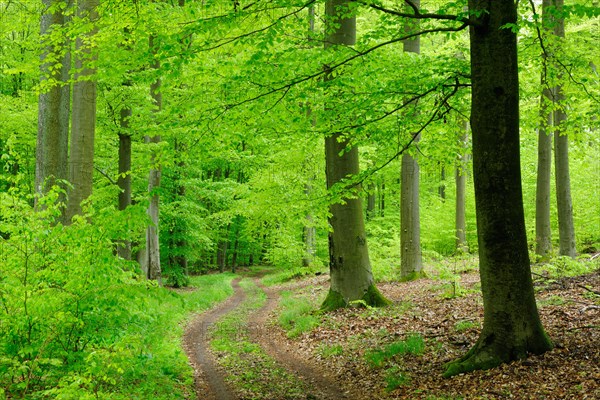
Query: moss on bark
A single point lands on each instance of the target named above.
(413, 276)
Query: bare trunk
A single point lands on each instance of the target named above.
(411, 264)
(124, 180)
(511, 324)
(83, 125)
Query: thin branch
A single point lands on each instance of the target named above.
(342, 63)
(104, 174)
(415, 15)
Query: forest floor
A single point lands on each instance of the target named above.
(397, 352)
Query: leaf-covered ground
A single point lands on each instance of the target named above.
(351, 345)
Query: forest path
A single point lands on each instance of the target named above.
(210, 377)
(322, 386)
(209, 380)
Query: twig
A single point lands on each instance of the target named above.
(589, 290)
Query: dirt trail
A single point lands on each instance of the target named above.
(323, 387)
(209, 377)
(210, 383)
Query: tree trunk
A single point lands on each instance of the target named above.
(309, 234)
(461, 186)
(382, 199)
(83, 125)
(543, 233)
(350, 268)
(511, 324)
(124, 179)
(411, 264)
(152, 233)
(53, 109)
(442, 187)
(371, 201)
(566, 228)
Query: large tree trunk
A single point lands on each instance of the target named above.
(566, 228)
(83, 125)
(461, 186)
(511, 324)
(53, 108)
(411, 264)
(350, 268)
(543, 233)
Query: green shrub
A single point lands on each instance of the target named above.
(414, 344)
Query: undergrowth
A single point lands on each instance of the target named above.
(298, 314)
(77, 322)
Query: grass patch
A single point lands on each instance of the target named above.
(553, 300)
(330, 350)
(394, 378)
(465, 324)
(563, 266)
(414, 344)
(298, 315)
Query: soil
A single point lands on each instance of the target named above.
(449, 326)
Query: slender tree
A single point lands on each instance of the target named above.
(151, 253)
(566, 227)
(411, 264)
(83, 122)
(511, 324)
(350, 268)
(461, 186)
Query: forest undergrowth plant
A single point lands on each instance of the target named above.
(414, 344)
(299, 314)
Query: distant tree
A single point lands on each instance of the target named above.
(411, 264)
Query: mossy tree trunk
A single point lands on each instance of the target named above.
(350, 268)
(511, 325)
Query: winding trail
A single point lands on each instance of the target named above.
(209, 376)
(209, 380)
(323, 387)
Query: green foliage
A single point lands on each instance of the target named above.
(330, 350)
(394, 378)
(563, 266)
(76, 320)
(465, 325)
(414, 344)
(298, 314)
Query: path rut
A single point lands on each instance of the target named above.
(210, 378)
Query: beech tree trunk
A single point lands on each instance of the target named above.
(53, 108)
(543, 233)
(371, 201)
(83, 125)
(511, 324)
(566, 227)
(350, 268)
(124, 179)
(309, 233)
(411, 264)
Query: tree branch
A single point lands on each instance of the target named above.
(415, 15)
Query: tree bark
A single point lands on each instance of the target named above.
(511, 324)
(350, 268)
(83, 125)
(53, 109)
(124, 179)
(411, 264)
(566, 227)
